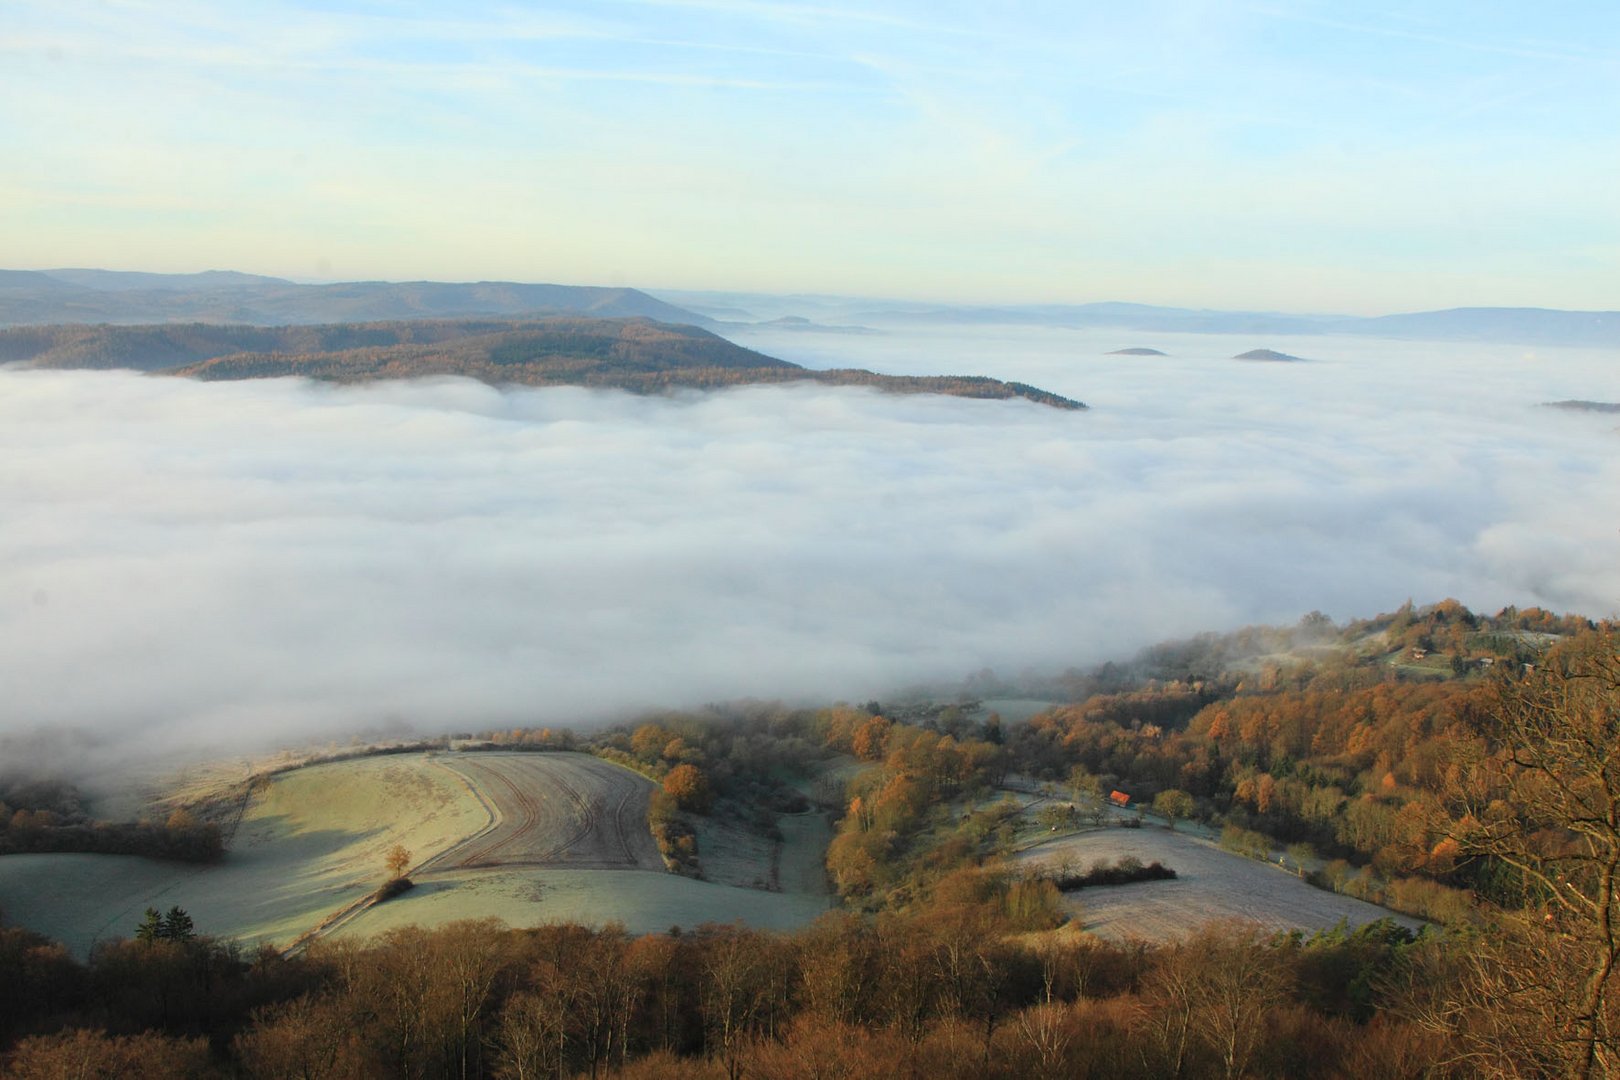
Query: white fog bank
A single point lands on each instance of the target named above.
(236, 563)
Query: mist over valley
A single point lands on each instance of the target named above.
(204, 567)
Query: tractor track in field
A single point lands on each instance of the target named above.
(558, 810)
(552, 810)
(529, 813)
(621, 830)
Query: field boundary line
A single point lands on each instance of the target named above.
(348, 912)
(492, 812)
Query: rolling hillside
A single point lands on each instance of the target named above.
(529, 837)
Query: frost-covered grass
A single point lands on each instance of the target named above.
(644, 901)
(1209, 884)
(310, 843)
(314, 841)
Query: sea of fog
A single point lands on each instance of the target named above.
(210, 565)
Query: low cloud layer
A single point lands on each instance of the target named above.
(210, 565)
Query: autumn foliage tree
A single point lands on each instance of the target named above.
(398, 860)
(1174, 805)
(687, 785)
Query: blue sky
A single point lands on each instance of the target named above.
(1287, 155)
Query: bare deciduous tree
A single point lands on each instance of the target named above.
(1539, 795)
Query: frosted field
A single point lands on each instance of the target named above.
(644, 901)
(530, 838)
(1210, 884)
(312, 843)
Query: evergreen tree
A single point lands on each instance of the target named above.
(177, 925)
(151, 927)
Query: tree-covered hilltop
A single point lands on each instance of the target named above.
(637, 355)
(174, 345)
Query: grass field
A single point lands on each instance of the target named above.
(1210, 884)
(802, 865)
(644, 901)
(730, 853)
(529, 838)
(309, 844)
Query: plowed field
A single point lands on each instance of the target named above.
(565, 810)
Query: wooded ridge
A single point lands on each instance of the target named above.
(637, 355)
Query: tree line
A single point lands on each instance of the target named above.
(965, 986)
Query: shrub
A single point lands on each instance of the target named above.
(1123, 872)
(392, 888)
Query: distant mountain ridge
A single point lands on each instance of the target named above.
(1508, 325)
(638, 355)
(79, 295)
(43, 297)
(1524, 326)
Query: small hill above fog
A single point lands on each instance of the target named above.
(638, 355)
(1269, 355)
(1137, 350)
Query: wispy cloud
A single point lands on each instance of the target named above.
(925, 141)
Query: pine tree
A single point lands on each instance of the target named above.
(177, 925)
(151, 927)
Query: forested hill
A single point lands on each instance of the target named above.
(637, 355)
(335, 350)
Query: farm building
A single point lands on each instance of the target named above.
(1119, 798)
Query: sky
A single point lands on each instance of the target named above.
(1288, 155)
(189, 566)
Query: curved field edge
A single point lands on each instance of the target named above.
(552, 808)
(310, 844)
(310, 852)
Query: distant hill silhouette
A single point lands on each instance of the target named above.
(1526, 326)
(36, 297)
(134, 280)
(220, 296)
(1584, 406)
(1137, 350)
(637, 355)
(1529, 326)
